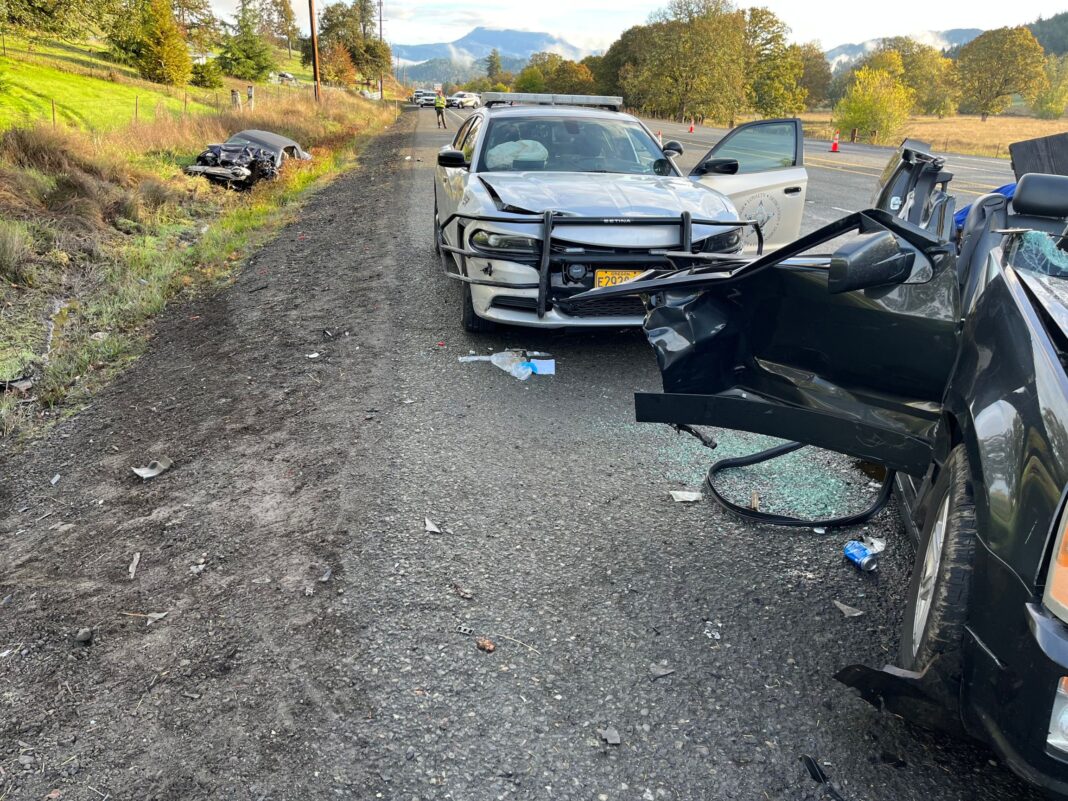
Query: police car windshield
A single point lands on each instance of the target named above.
(563, 144)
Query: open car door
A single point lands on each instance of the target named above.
(760, 166)
(850, 352)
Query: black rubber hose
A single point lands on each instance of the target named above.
(785, 520)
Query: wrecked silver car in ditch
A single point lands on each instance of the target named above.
(943, 359)
(246, 158)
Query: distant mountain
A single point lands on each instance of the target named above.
(445, 70)
(479, 42)
(846, 54)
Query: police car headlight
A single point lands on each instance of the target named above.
(504, 243)
(729, 242)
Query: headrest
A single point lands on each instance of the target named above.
(1041, 195)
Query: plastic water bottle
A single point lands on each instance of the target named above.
(861, 555)
(513, 363)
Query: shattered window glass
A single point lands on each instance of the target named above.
(1039, 252)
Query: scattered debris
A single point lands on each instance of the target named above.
(153, 469)
(485, 644)
(326, 576)
(517, 363)
(467, 631)
(711, 630)
(133, 565)
(660, 671)
(609, 735)
(55, 479)
(817, 774)
(431, 526)
(312, 355)
(848, 611)
(819, 530)
(863, 556)
(22, 384)
(685, 496)
(309, 592)
(150, 618)
(198, 568)
(463, 592)
(84, 635)
(705, 439)
(754, 502)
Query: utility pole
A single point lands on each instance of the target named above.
(315, 50)
(381, 90)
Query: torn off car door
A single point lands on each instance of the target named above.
(850, 352)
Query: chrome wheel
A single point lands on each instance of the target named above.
(932, 562)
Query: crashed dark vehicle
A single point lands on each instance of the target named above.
(246, 158)
(946, 363)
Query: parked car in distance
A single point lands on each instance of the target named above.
(947, 364)
(550, 195)
(463, 100)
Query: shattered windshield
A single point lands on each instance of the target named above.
(1039, 252)
(560, 144)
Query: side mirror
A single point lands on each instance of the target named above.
(451, 158)
(869, 260)
(672, 148)
(717, 167)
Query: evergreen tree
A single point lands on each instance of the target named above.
(164, 57)
(245, 54)
(493, 64)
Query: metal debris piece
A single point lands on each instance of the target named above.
(467, 631)
(609, 735)
(818, 775)
(463, 592)
(685, 496)
(660, 671)
(848, 611)
(153, 617)
(326, 576)
(431, 526)
(55, 479)
(197, 569)
(485, 644)
(312, 355)
(153, 468)
(133, 565)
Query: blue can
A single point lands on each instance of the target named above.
(861, 555)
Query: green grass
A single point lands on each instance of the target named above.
(82, 101)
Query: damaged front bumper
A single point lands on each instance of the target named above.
(233, 174)
(535, 289)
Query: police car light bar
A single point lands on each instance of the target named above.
(533, 98)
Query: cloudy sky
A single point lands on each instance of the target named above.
(594, 24)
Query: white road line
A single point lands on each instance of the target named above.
(844, 211)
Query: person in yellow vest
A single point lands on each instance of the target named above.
(439, 109)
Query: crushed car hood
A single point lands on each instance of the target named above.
(611, 195)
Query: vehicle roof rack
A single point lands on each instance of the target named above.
(535, 99)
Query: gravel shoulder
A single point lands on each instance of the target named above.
(310, 645)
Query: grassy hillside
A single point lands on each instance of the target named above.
(99, 226)
(99, 104)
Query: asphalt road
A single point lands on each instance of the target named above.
(319, 642)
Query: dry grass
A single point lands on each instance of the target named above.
(960, 134)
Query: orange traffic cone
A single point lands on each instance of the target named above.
(691, 124)
(834, 143)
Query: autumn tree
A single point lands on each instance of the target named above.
(815, 74)
(997, 65)
(529, 79)
(72, 19)
(336, 65)
(924, 69)
(773, 67)
(278, 22)
(572, 78)
(876, 103)
(163, 56)
(1051, 101)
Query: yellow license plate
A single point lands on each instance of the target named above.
(614, 277)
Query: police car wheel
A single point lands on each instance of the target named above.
(471, 321)
(933, 627)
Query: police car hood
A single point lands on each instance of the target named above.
(614, 196)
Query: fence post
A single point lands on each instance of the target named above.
(137, 104)
(185, 104)
(997, 153)
(53, 113)
(853, 136)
